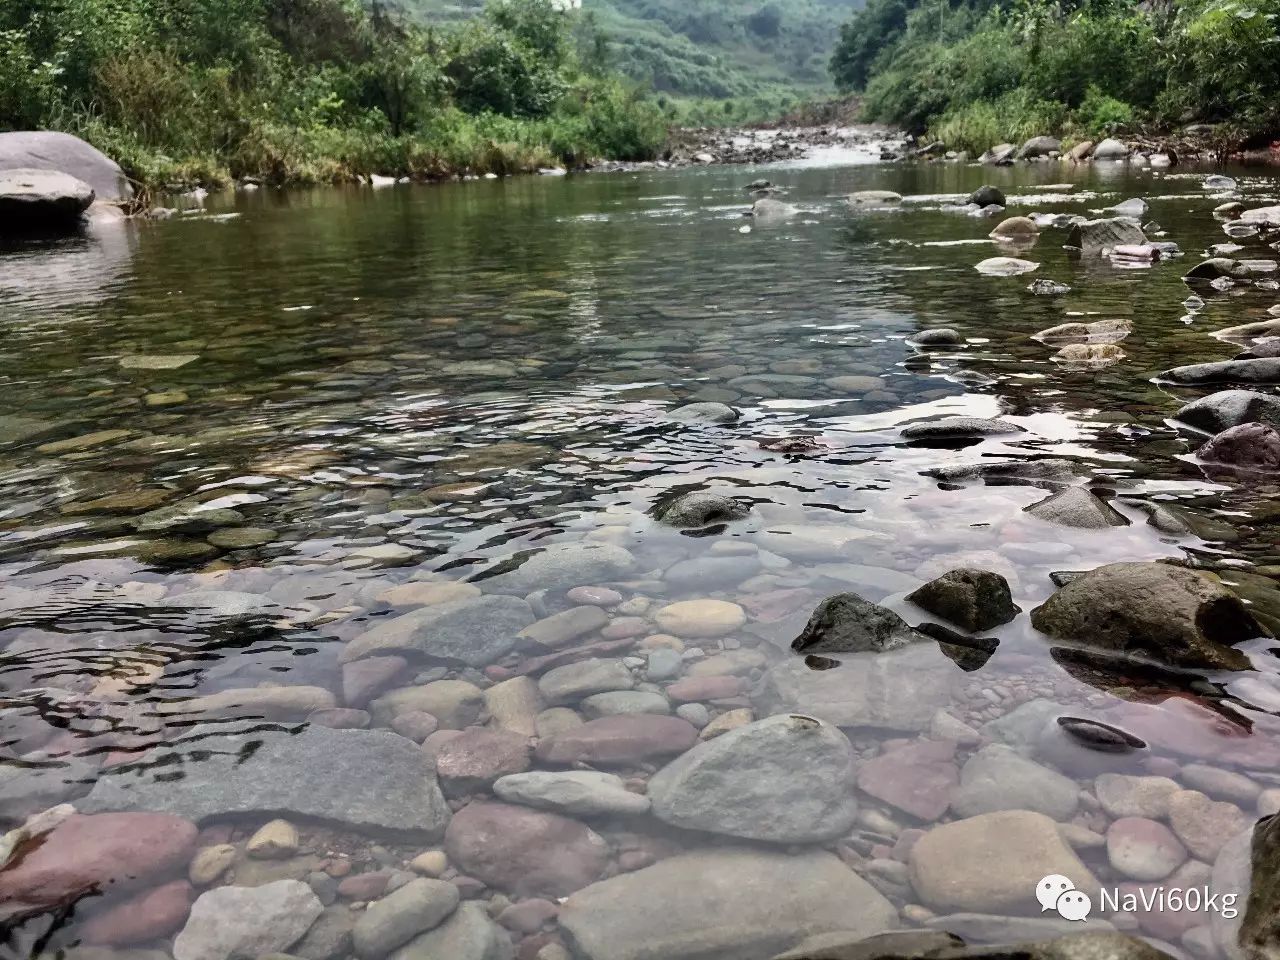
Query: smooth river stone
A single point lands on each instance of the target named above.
(918, 778)
(232, 922)
(582, 793)
(475, 631)
(473, 760)
(372, 781)
(563, 565)
(626, 739)
(722, 904)
(700, 618)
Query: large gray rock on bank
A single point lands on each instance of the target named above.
(41, 198)
(724, 904)
(1176, 616)
(563, 565)
(1230, 408)
(785, 779)
(476, 631)
(897, 690)
(63, 153)
(372, 781)
(233, 922)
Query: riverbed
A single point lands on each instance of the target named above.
(322, 513)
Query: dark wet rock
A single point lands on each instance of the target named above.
(1050, 474)
(475, 631)
(973, 599)
(1099, 331)
(1260, 350)
(1266, 370)
(1230, 408)
(705, 412)
(784, 779)
(48, 150)
(958, 427)
(90, 855)
(1174, 615)
(372, 781)
(1250, 332)
(1077, 507)
(967, 652)
(1100, 736)
(468, 934)
(530, 853)
(1001, 154)
(846, 623)
(918, 778)
(936, 337)
(624, 740)
(987, 195)
(559, 567)
(701, 509)
(1216, 268)
(1045, 287)
(1259, 931)
(581, 793)
(1039, 147)
(42, 199)
(1093, 237)
(1253, 447)
(763, 903)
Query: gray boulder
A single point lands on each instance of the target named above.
(1094, 237)
(397, 918)
(1265, 370)
(1039, 147)
(722, 904)
(51, 151)
(1000, 155)
(1254, 447)
(560, 566)
(1077, 507)
(973, 599)
(936, 337)
(701, 509)
(40, 199)
(1110, 149)
(233, 922)
(468, 934)
(475, 631)
(1216, 268)
(958, 427)
(987, 195)
(785, 779)
(1177, 616)
(846, 623)
(371, 781)
(705, 412)
(1230, 408)
(997, 777)
(579, 793)
(766, 208)
(873, 198)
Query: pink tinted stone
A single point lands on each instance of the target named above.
(528, 916)
(1250, 446)
(594, 596)
(776, 604)
(475, 759)
(918, 779)
(625, 627)
(524, 851)
(364, 886)
(363, 680)
(153, 915)
(417, 725)
(625, 739)
(717, 687)
(97, 854)
(1143, 849)
(340, 718)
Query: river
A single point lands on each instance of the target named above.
(238, 444)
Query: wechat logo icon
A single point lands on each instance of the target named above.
(1056, 892)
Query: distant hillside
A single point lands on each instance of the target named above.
(717, 49)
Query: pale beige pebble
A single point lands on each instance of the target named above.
(1269, 802)
(456, 704)
(917, 914)
(634, 607)
(556, 720)
(701, 618)
(657, 640)
(210, 863)
(430, 863)
(1203, 825)
(729, 720)
(426, 594)
(944, 726)
(276, 840)
(729, 663)
(1125, 795)
(553, 951)
(1081, 838)
(514, 705)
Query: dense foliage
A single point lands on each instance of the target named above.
(979, 72)
(758, 54)
(316, 89)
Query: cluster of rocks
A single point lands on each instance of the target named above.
(719, 145)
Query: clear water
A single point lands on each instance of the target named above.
(422, 383)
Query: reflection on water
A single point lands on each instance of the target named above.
(331, 569)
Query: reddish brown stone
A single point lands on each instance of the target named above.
(528, 916)
(1249, 446)
(625, 627)
(525, 852)
(535, 665)
(476, 758)
(918, 779)
(364, 886)
(627, 739)
(153, 915)
(99, 854)
(704, 688)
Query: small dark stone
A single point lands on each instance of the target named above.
(1100, 736)
(846, 623)
(973, 599)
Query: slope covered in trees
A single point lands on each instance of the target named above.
(978, 72)
(316, 89)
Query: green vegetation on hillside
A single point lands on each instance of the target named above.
(309, 90)
(759, 56)
(975, 73)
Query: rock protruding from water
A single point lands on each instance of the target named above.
(701, 509)
(950, 428)
(784, 779)
(1016, 229)
(936, 337)
(1254, 447)
(1039, 147)
(1095, 237)
(973, 599)
(1111, 149)
(873, 198)
(1078, 507)
(705, 412)
(767, 208)
(1005, 266)
(1217, 268)
(744, 904)
(51, 151)
(1099, 331)
(372, 781)
(846, 623)
(41, 200)
(1265, 370)
(1174, 615)
(987, 196)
